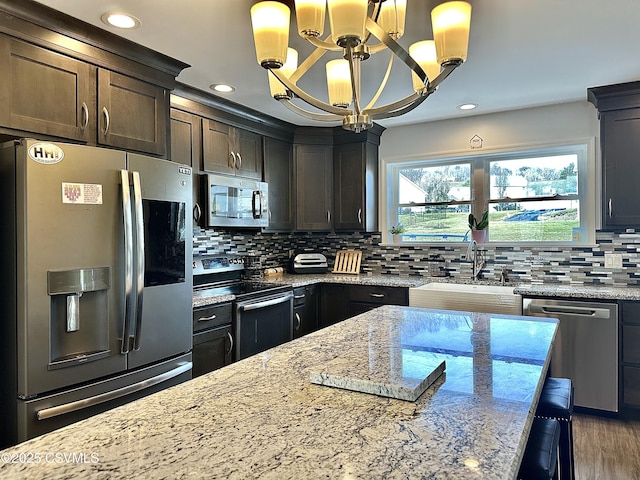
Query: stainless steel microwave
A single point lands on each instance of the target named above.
(236, 202)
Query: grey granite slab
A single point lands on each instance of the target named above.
(384, 381)
(261, 418)
(599, 292)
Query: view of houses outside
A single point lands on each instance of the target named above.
(531, 199)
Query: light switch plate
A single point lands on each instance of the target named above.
(613, 260)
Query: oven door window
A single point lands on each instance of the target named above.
(164, 231)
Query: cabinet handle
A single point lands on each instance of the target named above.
(230, 337)
(85, 116)
(107, 121)
(299, 322)
(197, 212)
(328, 216)
(610, 208)
(239, 164)
(359, 215)
(232, 160)
(206, 319)
(377, 295)
(298, 297)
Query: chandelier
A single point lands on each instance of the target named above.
(353, 23)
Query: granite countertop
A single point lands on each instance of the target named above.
(599, 292)
(263, 418)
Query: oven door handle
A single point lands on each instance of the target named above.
(266, 303)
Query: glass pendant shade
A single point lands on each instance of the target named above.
(339, 82)
(310, 17)
(424, 53)
(392, 17)
(270, 22)
(278, 90)
(347, 19)
(450, 22)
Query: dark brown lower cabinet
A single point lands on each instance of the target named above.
(630, 356)
(339, 302)
(305, 310)
(212, 338)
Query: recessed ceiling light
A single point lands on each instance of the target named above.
(222, 88)
(467, 106)
(120, 20)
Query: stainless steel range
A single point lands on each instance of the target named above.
(262, 312)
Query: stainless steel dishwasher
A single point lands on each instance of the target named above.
(585, 349)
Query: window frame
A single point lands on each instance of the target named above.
(480, 187)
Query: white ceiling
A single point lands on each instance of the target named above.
(522, 53)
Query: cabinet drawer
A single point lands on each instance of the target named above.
(631, 343)
(631, 382)
(211, 317)
(631, 312)
(379, 295)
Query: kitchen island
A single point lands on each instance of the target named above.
(263, 418)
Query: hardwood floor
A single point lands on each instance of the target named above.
(606, 448)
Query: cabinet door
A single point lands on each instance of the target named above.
(46, 93)
(186, 147)
(216, 151)
(333, 305)
(306, 314)
(212, 349)
(620, 151)
(278, 173)
(186, 139)
(132, 113)
(348, 183)
(314, 187)
(249, 154)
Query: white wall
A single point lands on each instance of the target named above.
(563, 124)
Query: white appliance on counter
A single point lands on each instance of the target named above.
(96, 272)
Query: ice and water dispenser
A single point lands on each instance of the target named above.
(79, 315)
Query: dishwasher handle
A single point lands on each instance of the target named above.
(573, 310)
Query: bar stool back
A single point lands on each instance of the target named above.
(556, 402)
(540, 459)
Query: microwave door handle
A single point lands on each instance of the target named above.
(139, 256)
(254, 194)
(128, 260)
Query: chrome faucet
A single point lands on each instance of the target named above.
(477, 260)
(504, 277)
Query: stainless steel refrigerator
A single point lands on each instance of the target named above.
(96, 277)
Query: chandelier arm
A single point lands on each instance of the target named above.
(308, 98)
(316, 42)
(377, 7)
(354, 71)
(308, 63)
(383, 84)
(401, 111)
(444, 73)
(396, 48)
(322, 117)
(382, 110)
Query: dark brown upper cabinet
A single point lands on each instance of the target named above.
(44, 92)
(107, 91)
(132, 113)
(313, 168)
(619, 111)
(231, 150)
(278, 173)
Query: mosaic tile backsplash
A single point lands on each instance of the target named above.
(556, 265)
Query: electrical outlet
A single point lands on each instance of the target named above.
(613, 260)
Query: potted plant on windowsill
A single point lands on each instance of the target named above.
(479, 227)
(396, 231)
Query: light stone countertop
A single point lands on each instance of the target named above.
(597, 292)
(263, 418)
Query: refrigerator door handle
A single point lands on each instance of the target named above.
(139, 256)
(111, 395)
(128, 260)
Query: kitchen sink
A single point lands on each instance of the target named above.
(467, 297)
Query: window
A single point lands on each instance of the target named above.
(531, 196)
